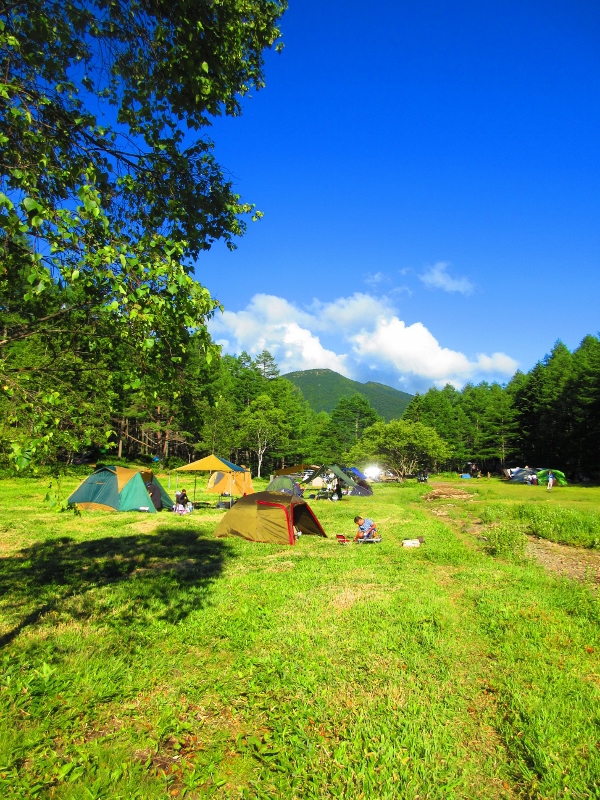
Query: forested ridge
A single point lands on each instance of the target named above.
(323, 388)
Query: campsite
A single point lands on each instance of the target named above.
(299, 400)
(145, 658)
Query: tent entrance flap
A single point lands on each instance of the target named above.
(306, 522)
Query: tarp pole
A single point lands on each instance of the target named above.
(195, 479)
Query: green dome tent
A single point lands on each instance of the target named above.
(282, 483)
(119, 489)
(559, 476)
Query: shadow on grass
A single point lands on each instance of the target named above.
(164, 576)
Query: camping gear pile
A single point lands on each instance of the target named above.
(341, 539)
(332, 477)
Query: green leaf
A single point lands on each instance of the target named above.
(64, 770)
(31, 205)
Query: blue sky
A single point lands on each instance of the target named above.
(429, 174)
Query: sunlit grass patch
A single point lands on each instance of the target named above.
(144, 658)
(558, 524)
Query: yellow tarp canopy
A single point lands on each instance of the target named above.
(209, 464)
(297, 468)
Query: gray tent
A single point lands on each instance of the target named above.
(521, 474)
(325, 468)
(283, 483)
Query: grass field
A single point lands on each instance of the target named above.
(143, 658)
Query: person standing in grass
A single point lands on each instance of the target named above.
(366, 528)
(550, 479)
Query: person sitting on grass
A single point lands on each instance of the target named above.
(182, 503)
(366, 528)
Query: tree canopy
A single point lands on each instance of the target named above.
(548, 417)
(109, 191)
(403, 447)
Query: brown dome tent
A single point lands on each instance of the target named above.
(230, 483)
(269, 517)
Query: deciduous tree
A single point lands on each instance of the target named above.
(109, 189)
(403, 447)
(262, 427)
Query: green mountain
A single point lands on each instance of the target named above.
(323, 388)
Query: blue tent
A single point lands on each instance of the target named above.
(358, 473)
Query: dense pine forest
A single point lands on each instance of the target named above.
(549, 416)
(240, 408)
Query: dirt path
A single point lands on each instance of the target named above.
(574, 562)
(577, 563)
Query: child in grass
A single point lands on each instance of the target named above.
(366, 528)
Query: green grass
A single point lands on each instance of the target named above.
(563, 525)
(567, 515)
(142, 658)
(581, 497)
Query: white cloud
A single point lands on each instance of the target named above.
(271, 323)
(437, 277)
(362, 332)
(413, 349)
(374, 279)
(350, 313)
(497, 362)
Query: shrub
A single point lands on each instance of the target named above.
(563, 525)
(506, 539)
(494, 513)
